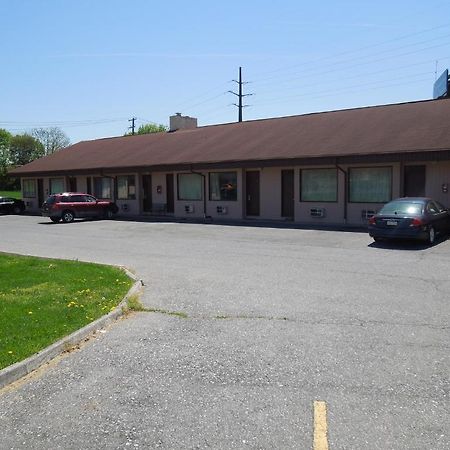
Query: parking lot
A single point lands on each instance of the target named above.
(277, 318)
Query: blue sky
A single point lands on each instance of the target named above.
(89, 66)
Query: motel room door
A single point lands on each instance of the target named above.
(287, 194)
(252, 193)
(146, 193)
(40, 191)
(414, 181)
(170, 193)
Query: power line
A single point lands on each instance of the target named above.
(344, 77)
(314, 70)
(323, 58)
(63, 123)
(204, 93)
(343, 90)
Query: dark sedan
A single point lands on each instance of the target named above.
(410, 218)
(10, 205)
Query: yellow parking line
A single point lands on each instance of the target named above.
(320, 426)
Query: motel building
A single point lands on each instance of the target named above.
(330, 168)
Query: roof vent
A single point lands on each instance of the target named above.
(179, 122)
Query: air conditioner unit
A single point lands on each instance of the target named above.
(366, 214)
(317, 212)
(124, 207)
(188, 208)
(222, 210)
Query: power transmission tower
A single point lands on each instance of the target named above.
(240, 95)
(132, 120)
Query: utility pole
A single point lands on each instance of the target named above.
(132, 120)
(240, 95)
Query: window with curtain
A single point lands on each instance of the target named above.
(29, 188)
(126, 187)
(318, 185)
(102, 187)
(223, 186)
(370, 184)
(56, 185)
(189, 186)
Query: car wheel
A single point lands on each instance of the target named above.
(431, 235)
(55, 219)
(17, 210)
(68, 216)
(109, 214)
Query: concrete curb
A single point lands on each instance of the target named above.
(18, 370)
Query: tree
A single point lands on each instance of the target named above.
(5, 139)
(53, 139)
(23, 149)
(149, 128)
(6, 183)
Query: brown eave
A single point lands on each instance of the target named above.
(417, 130)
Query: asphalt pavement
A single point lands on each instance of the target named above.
(277, 319)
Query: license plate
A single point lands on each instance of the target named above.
(392, 223)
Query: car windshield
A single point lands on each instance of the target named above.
(410, 208)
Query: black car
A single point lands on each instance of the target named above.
(410, 218)
(10, 205)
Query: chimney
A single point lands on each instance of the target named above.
(179, 122)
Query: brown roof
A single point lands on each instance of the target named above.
(407, 127)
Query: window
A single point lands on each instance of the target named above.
(318, 185)
(78, 198)
(432, 208)
(189, 186)
(223, 186)
(370, 184)
(126, 187)
(56, 185)
(29, 188)
(102, 187)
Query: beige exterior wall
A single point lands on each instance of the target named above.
(437, 176)
(233, 208)
(270, 193)
(31, 203)
(355, 210)
(333, 211)
(181, 205)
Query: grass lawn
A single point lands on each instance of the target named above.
(42, 300)
(13, 194)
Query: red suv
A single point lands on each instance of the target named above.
(69, 205)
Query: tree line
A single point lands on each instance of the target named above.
(17, 150)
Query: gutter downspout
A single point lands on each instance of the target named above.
(345, 190)
(204, 192)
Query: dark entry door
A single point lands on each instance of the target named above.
(170, 193)
(287, 193)
(40, 190)
(72, 184)
(252, 193)
(147, 193)
(414, 181)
